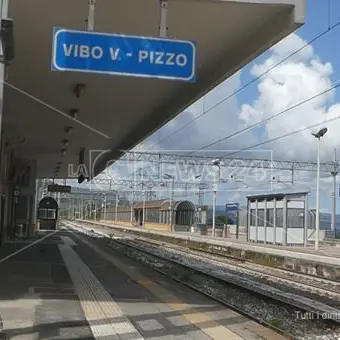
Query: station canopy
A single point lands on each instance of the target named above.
(117, 112)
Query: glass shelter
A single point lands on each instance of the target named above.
(278, 218)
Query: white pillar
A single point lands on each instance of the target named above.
(116, 208)
(143, 217)
(256, 221)
(274, 222)
(171, 202)
(305, 239)
(131, 208)
(214, 212)
(317, 222)
(284, 229)
(333, 197)
(248, 219)
(265, 221)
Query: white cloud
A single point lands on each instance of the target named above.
(220, 119)
(283, 49)
(297, 79)
(300, 77)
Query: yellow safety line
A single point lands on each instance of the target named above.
(215, 330)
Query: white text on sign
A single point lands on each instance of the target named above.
(162, 58)
(144, 56)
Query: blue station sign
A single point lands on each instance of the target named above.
(84, 51)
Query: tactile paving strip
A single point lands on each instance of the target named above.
(104, 316)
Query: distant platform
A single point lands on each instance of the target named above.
(327, 254)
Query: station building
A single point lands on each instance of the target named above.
(157, 215)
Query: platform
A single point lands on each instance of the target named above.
(328, 255)
(64, 286)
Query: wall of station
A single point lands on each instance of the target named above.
(7, 200)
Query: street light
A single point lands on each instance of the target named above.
(143, 194)
(104, 203)
(318, 135)
(216, 163)
(171, 198)
(132, 199)
(116, 207)
(143, 217)
(196, 217)
(197, 177)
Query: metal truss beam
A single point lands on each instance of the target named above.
(169, 158)
(140, 184)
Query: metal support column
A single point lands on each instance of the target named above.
(143, 213)
(214, 211)
(163, 18)
(248, 220)
(131, 207)
(104, 207)
(317, 203)
(256, 221)
(95, 210)
(35, 205)
(333, 197)
(171, 202)
(265, 221)
(90, 18)
(284, 231)
(116, 207)
(274, 222)
(305, 238)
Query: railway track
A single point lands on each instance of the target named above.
(307, 283)
(323, 286)
(129, 243)
(211, 296)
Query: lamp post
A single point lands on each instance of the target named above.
(116, 207)
(196, 217)
(95, 209)
(82, 209)
(333, 195)
(216, 163)
(104, 203)
(143, 217)
(149, 187)
(318, 135)
(171, 198)
(132, 199)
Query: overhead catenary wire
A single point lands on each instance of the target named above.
(319, 36)
(284, 135)
(305, 101)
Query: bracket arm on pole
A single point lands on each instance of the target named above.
(163, 19)
(90, 18)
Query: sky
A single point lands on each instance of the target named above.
(311, 71)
